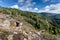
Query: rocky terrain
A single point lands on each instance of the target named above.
(17, 25)
(12, 29)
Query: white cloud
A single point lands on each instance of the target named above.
(53, 8)
(27, 5)
(47, 8)
(29, 9)
(20, 1)
(45, 0)
(36, 9)
(25, 9)
(15, 6)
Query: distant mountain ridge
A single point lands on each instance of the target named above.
(48, 14)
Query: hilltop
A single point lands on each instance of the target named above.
(22, 25)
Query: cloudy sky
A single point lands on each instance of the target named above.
(52, 6)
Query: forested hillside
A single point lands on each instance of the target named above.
(38, 21)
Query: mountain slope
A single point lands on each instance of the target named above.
(34, 25)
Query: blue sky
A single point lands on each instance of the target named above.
(52, 6)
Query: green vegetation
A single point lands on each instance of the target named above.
(38, 21)
(1, 33)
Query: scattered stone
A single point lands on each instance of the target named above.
(21, 24)
(15, 33)
(10, 37)
(25, 39)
